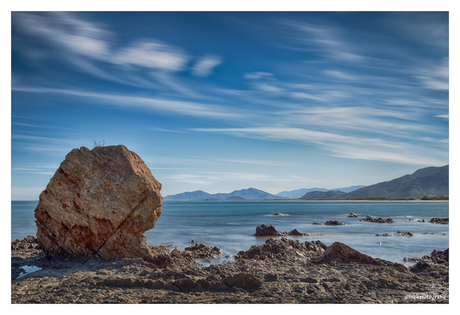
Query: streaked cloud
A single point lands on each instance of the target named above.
(340, 145)
(152, 54)
(205, 65)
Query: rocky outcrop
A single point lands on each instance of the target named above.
(352, 215)
(333, 222)
(98, 203)
(330, 222)
(368, 218)
(282, 249)
(268, 230)
(440, 220)
(339, 253)
(204, 251)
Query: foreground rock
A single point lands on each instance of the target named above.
(282, 249)
(368, 218)
(279, 271)
(98, 203)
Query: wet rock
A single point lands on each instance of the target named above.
(383, 234)
(204, 251)
(99, 202)
(281, 214)
(296, 233)
(352, 215)
(368, 218)
(399, 233)
(418, 220)
(268, 230)
(436, 257)
(440, 220)
(334, 222)
(282, 249)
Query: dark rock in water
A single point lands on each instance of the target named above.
(384, 234)
(352, 215)
(296, 233)
(418, 220)
(334, 222)
(404, 234)
(283, 249)
(204, 251)
(281, 214)
(436, 257)
(268, 230)
(368, 218)
(99, 203)
(318, 223)
(440, 220)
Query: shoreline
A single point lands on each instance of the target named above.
(279, 271)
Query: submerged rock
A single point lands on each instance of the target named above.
(98, 203)
(368, 218)
(440, 220)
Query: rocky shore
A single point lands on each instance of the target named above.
(279, 271)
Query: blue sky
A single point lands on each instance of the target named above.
(221, 101)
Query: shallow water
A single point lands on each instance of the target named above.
(231, 225)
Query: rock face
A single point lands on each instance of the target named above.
(99, 202)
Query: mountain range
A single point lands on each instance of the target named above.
(426, 182)
(243, 194)
(293, 194)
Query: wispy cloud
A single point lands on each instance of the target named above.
(152, 54)
(340, 145)
(205, 65)
(150, 103)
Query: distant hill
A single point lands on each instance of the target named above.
(243, 194)
(189, 196)
(322, 194)
(235, 198)
(426, 182)
(298, 193)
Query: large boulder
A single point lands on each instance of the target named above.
(99, 203)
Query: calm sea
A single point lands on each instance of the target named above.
(231, 225)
